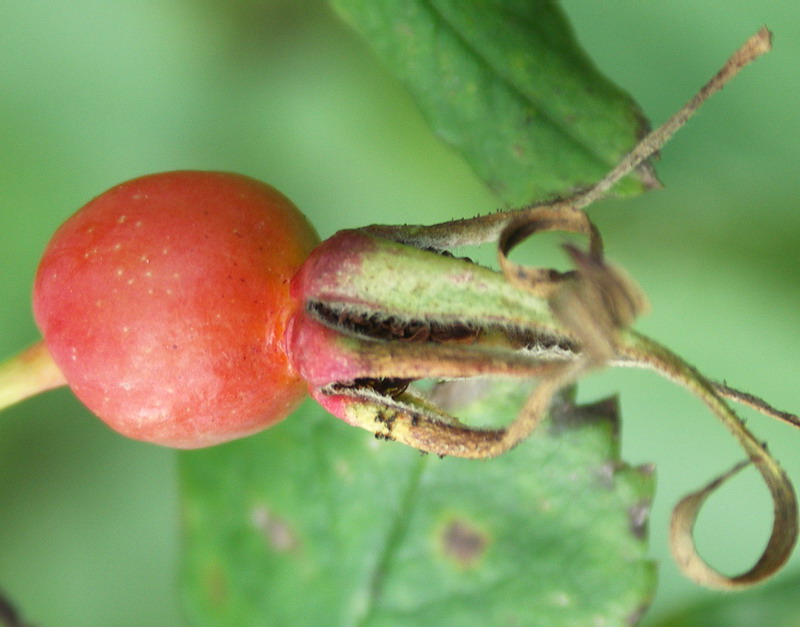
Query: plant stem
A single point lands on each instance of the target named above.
(28, 373)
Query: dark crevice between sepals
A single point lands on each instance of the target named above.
(393, 388)
(447, 253)
(380, 326)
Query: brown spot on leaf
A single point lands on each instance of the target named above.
(463, 542)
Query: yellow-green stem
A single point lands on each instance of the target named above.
(28, 373)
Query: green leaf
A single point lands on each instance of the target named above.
(506, 84)
(317, 523)
(776, 604)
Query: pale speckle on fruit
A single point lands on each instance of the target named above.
(117, 247)
(130, 281)
(138, 224)
(144, 259)
(120, 271)
(148, 274)
(122, 219)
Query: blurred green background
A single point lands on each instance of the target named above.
(94, 93)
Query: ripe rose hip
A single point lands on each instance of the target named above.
(164, 300)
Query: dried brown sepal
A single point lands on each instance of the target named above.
(411, 420)
(754, 402)
(593, 301)
(779, 547)
(596, 303)
(559, 216)
(756, 46)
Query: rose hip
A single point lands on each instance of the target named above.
(163, 302)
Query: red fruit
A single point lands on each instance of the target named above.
(164, 302)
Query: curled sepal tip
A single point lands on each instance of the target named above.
(779, 546)
(644, 352)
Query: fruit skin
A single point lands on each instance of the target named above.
(164, 302)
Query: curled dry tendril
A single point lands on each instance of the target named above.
(568, 323)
